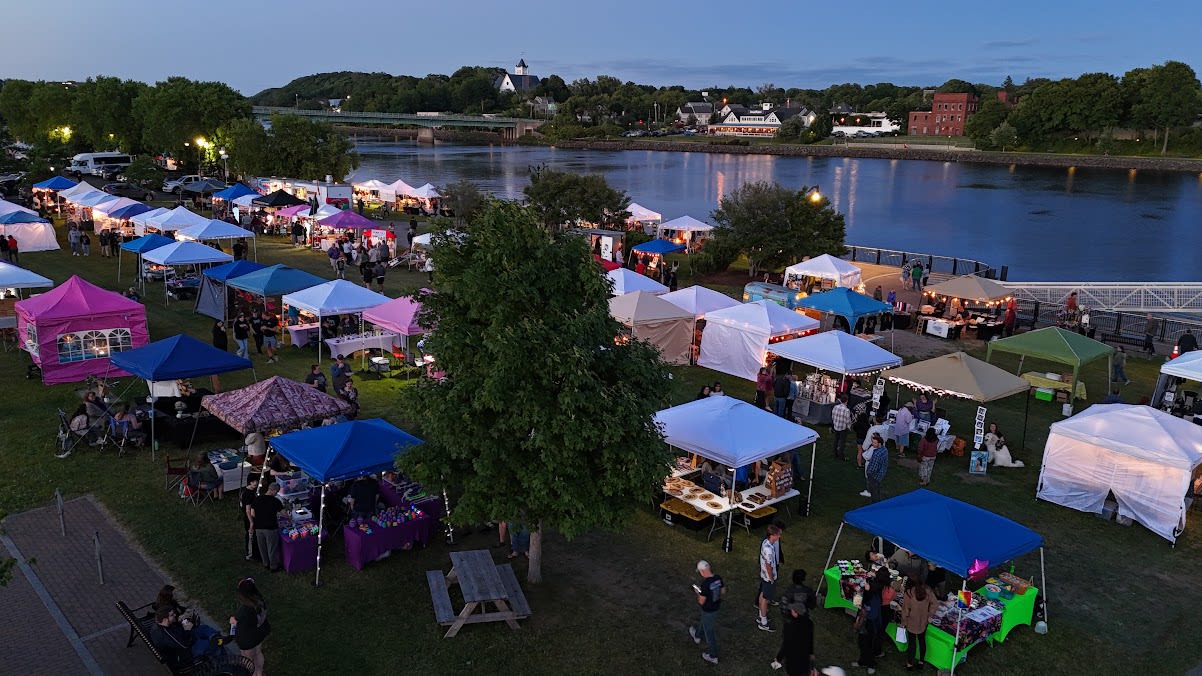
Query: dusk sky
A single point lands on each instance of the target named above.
(254, 45)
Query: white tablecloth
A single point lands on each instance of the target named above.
(347, 345)
(300, 333)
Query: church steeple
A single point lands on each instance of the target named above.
(521, 68)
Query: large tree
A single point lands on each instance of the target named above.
(774, 226)
(176, 111)
(102, 113)
(562, 199)
(1163, 96)
(465, 198)
(543, 419)
(294, 146)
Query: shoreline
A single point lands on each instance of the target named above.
(1171, 164)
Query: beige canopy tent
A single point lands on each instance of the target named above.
(971, 288)
(958, 375)
(658, 322)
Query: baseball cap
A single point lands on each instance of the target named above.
(703, 565)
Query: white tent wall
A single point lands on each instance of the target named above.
(732, 351)
(673, 337)
(32, 236)
(1079, 475)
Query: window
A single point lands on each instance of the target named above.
(95, 344)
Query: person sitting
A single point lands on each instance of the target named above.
(132, 294)
(363, 496)
(206, 476)
(278, 465)
(173, 639)
(999, 454)
(130, 425)
(166, 599)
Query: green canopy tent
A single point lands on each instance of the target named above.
(1054, 344)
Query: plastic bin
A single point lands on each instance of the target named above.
(1044, 393)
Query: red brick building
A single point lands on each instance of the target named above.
(947, 116)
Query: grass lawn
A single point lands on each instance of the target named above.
(613, 602)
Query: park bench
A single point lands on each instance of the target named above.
(1136, 339)
(517, 600)
(443, 612)
(141, 619)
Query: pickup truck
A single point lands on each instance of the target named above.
(177, 185)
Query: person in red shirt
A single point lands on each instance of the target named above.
(12, 248)
(641, 267)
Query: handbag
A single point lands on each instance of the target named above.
(900, 635)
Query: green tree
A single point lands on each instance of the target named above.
(954, 86)
(774, 226)
(465, 198)
(792, 129)
(820, 129)
(102, 113)
(176, 111)
(248, 145)
(14, 108)
(1164, 97)
(981, 124)
(562, 199)
(145, 172)
(1003, 136)
(542, 419)
(1094, 102)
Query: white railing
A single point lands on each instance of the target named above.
(1155, 297)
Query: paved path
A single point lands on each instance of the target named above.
(55, 616)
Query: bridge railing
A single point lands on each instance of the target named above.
(949, 265)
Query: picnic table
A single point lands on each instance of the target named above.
(482, 582)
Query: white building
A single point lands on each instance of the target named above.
(700, 112)
(520, 80)
(763, 121)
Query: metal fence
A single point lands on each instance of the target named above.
(948, 265)
(1107, 324)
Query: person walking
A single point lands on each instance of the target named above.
(841, 423)
(1151, 326)
(256, 330)
(928, 450)
(1119, 366)
(763, 387)
(1187, 342)
(918, 605)
(13, 250)
(4, 249)
(916, 276)
(249, 625)
(366, 273)
(380, 269)
(246, 497)
(877, 459)
(334, 253)
(85, 244)
(269, 327)
(220, 336)
(709, 597)
(241, 335)
(796, 653)
(264, 511)
(73, 238)
(769, 570)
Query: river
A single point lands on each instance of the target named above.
(1045, 224)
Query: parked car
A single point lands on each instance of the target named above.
(128, 190)
(176, 185)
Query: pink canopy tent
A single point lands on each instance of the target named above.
(399, 316)
(71, 330)
(289, 212)
(349, 219)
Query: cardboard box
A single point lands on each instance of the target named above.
(1043, 393)
(1061, 396)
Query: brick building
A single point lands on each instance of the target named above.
(947, 115)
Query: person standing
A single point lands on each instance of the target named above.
(85, 243)
(841, 423)
(879, 429)
(256, 330)
(1150, 328)
(13, 250)
(769, 570)
(316, 378)
(1187, 342)
(780, 394)
(901, 427)
(878, 293)
(379, 270)
(877, 458)
(789, 400)
(269, 327)
(241, 335)
(869, 627)
(246, 497)
(340, 372)
(4, 249)
(264, 511)
(411, 232)
(73, 238)
(916, 274)
(1010, 318)
(763, 387)
(1119, 366)
(918, 605)
(709, 597)
(240, 249)
(428, 268)
(928, 450)
(366, 273)
(220, 336)
(249, 624)
(334, 253)
(796, 653)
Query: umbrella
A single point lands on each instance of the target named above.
(278, 199)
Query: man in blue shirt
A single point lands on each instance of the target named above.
(709, 597)
(878, 465)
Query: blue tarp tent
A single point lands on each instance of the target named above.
(275, 280)
(212, 298)
(343, 451)
(56, 183)
(173, 358)
(658, 247)
(15, 217)
(846, 303)
(234, 192)
(146, 243)
(129, 211)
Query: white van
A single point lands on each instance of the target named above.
(96, 163)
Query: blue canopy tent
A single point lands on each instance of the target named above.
(658, 247)
(15, 217)
(140, 246)
(846, 303)
(129, 211)
(174, 358)
(234, 192)
(212, 299)
(343, 451)
(947, 532)
(275, 280)
(55, 183)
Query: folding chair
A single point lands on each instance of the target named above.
(115, 433)
(68, 437)
(175, 473)
(197, 491)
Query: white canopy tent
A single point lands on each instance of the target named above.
(699, 300)
(684, 230)
(734, 433)
(337, 297)
(1145, 457)
(142, 220)
(245, 201)
(400, 187)
(80, 188)
(96, 200)
(100, 214)
(837, 352)
(1188, 366)
(184, 253)
(32, 237)
(826, 266)
(658, 322)
(628, 281)
(7, 207)
(641, 214)
(14, 277)
(215, 230)
(176, 219)
(384, 190)
(736, 339)
(425, 192)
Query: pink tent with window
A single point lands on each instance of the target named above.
(71, 330)
(399, 316)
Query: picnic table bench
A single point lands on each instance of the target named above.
(482, 583)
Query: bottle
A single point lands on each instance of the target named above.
(233, 628)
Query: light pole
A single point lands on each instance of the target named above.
(225, 162)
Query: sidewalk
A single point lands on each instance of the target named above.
(55, 616)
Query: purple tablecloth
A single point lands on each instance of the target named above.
(300, 555)
(362, 549)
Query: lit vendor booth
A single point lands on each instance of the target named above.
(838, 353)
(742, 462)
(736, 340)
(962, 539)
(822, 272)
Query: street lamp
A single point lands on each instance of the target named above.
(815, 195)
(225, 162)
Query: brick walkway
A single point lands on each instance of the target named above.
(55, 616)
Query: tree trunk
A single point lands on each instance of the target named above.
(534, 573)
(1164, 148)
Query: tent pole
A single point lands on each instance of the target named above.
(321, 531)
(810, 488)
(154, 442)
(1026, 411)
(830, 556)
(319, 339)
(1043, 586)
(729, 543)
(1021, 358)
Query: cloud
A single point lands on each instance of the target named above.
(1010, 44)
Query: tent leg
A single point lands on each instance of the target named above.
(154, 442)
(810, 487)
(1043, 586)
(321, 531)
(728, 543)
(830, 556)
(1026, 412)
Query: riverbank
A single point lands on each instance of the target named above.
(1170, 164)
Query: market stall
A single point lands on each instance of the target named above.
(735, 435)
(176, 219)
(973, 291)
(71, 331)
(628, 281)
(32, 232)
(48, 191)
(822, 272)
(1168, 394)
(141, 221)
(214, 298)
(736, 340)
(172, 359)
(216, 231)
(1147, 459)
(838, 353)
(339, 297)
(1056, 345)
(14, 278)
(170, 256)
(399, 316)
(851, 306)
(119, 220)
(653, 252)
(271, 281)
(685, 230)
(699, 300)
(656, 321)
(273, 404)
(138, 247)
(643, 218)
(347, 451)
(962, 539)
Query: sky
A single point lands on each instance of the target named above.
(256, 45)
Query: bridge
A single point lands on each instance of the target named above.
(512, 127)
(1138, 297)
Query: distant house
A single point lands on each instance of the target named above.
(729, 108)
(763, 121)
(543, 106)
(842, 109)
(520, 80)
(946, 117)
(700, 112)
